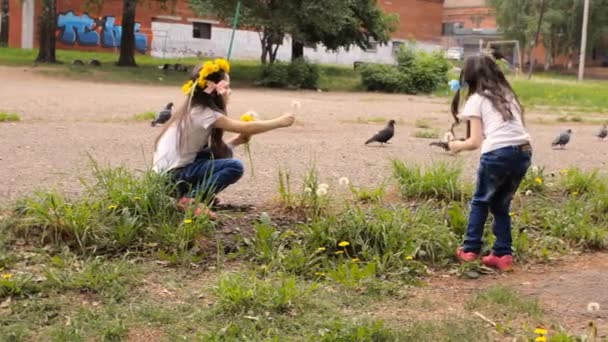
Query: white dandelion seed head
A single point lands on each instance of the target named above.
(321, 191)
(308, 190)
(324, 186)
(535, 169)
(254, 114)
(344, 181)
(593, 307)
(296, 104)
(529, 193)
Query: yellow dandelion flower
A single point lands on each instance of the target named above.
(187, 87)
(339, 252)
(7, 276)
(137, 198)
(540, 331)
(575, 193)
(188, 221)
(112, 207)
(321, 249)
(223, 64)
(247, 117)
(512, 214)
(344, 244)
(320, 274)
(564, 172)
(541, 339)
(409, 257)
(538, 180)
(355, 260)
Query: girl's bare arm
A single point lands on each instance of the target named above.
(473, 142)
(253, 127)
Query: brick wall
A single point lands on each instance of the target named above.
(419, 19)
(471, 17)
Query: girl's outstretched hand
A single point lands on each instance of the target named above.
(286, 120)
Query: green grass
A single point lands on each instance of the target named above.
(9, 117)
(145, 116)
(120, 260)
(427, 134)
(244, 72)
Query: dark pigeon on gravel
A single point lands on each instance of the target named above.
(563, 139)
(164, 115)
(603, 133)
(384, 135)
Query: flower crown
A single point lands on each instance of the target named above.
(208, 68)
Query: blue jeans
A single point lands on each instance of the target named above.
(500, 173)
(204, 177)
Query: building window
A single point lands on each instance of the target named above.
(397, 47)
(373, 45)
(449, 29)
(201, 30)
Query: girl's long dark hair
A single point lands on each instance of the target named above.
(483, 76)
(213, 101)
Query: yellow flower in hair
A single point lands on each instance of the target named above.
(187, 87)
(223, 64)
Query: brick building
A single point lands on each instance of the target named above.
(177, 31)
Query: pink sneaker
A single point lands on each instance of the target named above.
(466, 256)
(503, 263)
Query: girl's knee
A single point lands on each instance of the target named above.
(237, 168)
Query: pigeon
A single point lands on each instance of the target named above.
(603, 133)
(164, 115)
(95, 63)
(563, 139)
(384, 135)
(77, 62)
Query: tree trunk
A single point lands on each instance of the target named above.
(273, 55)
(47, 27)
(264, 43)
(127, 40)
(540, 21)
(297, 50)
(4, 25)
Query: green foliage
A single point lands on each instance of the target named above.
(417, 72)
(439, 181)
(427, 134)
(8, 117)
(17, 285)
(501, 301)
(117, 212)
(145, 116)
(366, 332)
(244, 293)
(108, 278)
(575, 181)
(297, 75)
(534, 181)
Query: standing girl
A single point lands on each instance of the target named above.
(495, 119)
(191, 146)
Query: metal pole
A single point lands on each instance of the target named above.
(234, 26)
(581, 62)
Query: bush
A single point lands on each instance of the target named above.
(299, 75)
(416, 72)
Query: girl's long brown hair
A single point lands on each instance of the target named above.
(213, 101)
(483, 76)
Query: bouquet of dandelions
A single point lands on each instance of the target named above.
(249, 116)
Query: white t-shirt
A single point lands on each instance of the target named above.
(498, 133)
(167, 155)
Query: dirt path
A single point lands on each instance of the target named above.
(64, 120)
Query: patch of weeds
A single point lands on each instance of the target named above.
(338, 331)
(116, 212)
(576, 181)
(573, 118)
(535, 180)
(422, 123)
(112, 279)
(368, 195)
(500, 301)
(351, 273)
(145, 116)
(451, 330)
(9, 117)
(108, 323)
(426, 134)
(312, 200)
(17, 285)
(439, 181)
(246, 293)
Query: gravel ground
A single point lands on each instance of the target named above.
(64, 120)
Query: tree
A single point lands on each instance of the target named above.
(127, 39)
(337, 23)
(47, 25)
